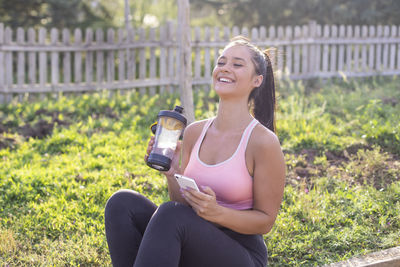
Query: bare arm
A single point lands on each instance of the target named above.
(269, 180)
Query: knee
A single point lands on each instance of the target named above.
(117, 202)
(173, 211)
(172, 208)
(174, 218)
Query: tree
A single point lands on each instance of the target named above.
(294, 12)
(54, 13)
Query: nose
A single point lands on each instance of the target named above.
(224, 68)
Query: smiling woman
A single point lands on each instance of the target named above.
(236, 160)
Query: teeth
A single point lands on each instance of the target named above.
(225, 80)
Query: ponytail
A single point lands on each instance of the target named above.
(262, 99)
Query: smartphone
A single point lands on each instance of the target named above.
(186, 182)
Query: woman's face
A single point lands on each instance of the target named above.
(234, 75)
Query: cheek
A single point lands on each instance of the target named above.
(214, 71)
(245, 76)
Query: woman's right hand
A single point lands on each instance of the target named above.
(149, 148)
(175, 168)
(175, 163)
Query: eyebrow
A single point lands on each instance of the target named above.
(236, 58)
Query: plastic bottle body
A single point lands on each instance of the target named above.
(167, 134)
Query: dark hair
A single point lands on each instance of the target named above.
(262, 99)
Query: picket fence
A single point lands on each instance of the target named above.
(148, 59)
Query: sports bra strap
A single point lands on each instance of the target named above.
(205, 128)
(248, 132)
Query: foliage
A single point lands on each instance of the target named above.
(252, 13)
(333, 222)
(54, 13)
(61, 159)
(87, 13)
(152, 13)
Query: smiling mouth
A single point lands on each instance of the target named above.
(225, 80)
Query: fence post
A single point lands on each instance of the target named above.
(2, 69)
(142, 59)
(89, 57)
(31, 58)
(20, 62)
(185, 52)
(78, 57)
(8, 63)
(153, 60)
(312, 30)
(55, 79)
(42, 61)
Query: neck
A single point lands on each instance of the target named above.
(232, 115)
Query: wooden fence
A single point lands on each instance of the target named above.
(148, 60)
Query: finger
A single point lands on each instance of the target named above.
(178, 148)
(147, 153)
(194, 203)
(198, 199)
(208, 191)
(150, 145)
(195, 194)
(179, 145)
(189, 195)
(202, 196)
(186, 195)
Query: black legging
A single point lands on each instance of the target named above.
(140, 234)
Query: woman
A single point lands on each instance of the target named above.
(236, 160)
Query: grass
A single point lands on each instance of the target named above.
(62, 158)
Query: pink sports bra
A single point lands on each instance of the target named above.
(230, 179)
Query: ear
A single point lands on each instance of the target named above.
(258, 80)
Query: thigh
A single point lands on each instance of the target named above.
(212, 247)
(177, 236)
(207, 245)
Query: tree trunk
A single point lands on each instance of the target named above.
(127, 16)
(185, 58)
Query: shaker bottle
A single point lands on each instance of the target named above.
(170, 126)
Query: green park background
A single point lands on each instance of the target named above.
(61, 157)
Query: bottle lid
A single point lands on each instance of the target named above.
(178, 109)
(176, 114)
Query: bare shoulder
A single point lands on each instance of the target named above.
(267, 155)
(263, 139)
(192, 132)
(195, 128)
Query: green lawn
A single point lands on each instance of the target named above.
(60, 160)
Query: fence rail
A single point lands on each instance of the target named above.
(148, 60)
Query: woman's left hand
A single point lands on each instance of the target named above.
(203, 203)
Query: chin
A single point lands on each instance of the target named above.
(222, 91)
(227, 94)
(223, 88)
